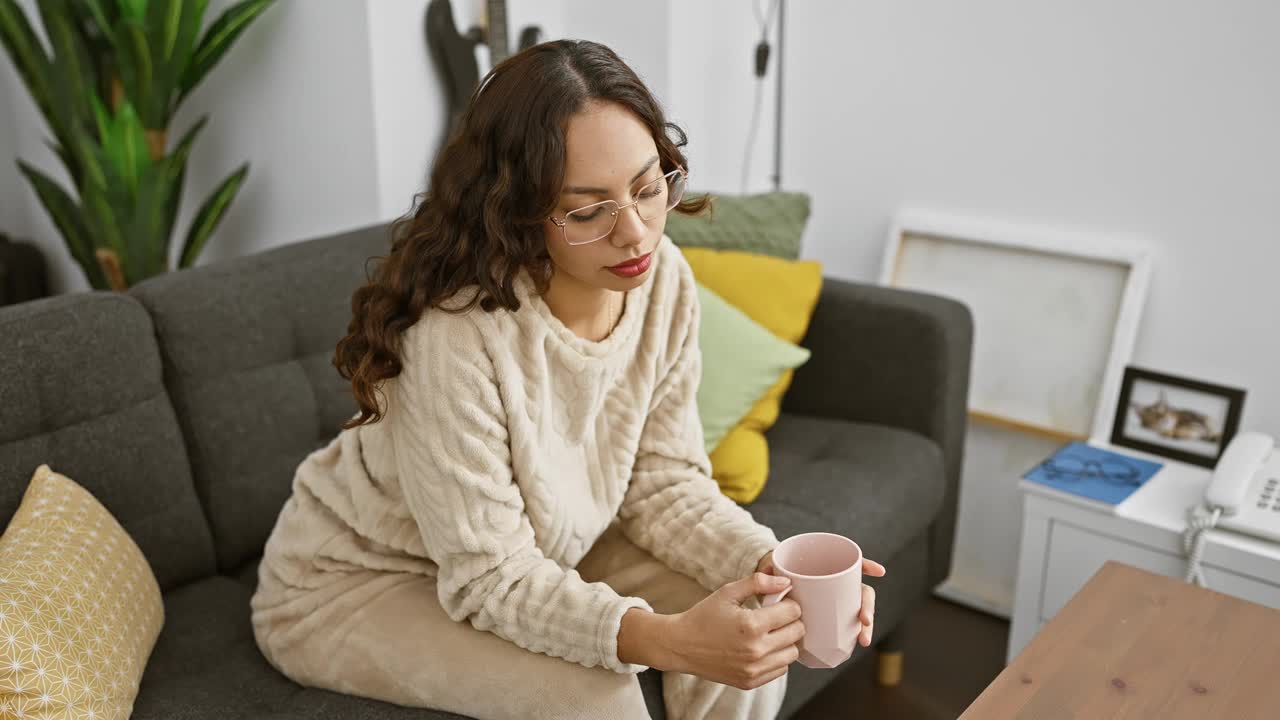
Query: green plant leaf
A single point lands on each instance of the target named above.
(104, 15)
(69, 220)
(27, 53)
(137, 72)
(209, 215)
(86, 150)
(217, 40)
(176, 161)
(133, 9)
(150, 227)
(37, 72)
(188, 34)
(101, 215)
(97, 25)
(72, 77)
(165, 20)
(102, 120)
(164, 25)
(125, 145)
(174, 168)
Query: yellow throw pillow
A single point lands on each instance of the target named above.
(80, 609)
(780, 295)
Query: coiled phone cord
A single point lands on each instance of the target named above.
(1199, 521)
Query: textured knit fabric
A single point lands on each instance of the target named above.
(509, 445)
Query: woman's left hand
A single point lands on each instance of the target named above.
(866, 616)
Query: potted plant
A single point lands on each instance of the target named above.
(108, 90)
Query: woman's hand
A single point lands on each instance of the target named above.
(722, 641)
(866, 616)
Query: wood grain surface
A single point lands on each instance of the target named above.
(1133, 644)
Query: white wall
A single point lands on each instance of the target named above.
(408, 100)
(636, 31)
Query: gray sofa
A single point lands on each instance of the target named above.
(186, 404)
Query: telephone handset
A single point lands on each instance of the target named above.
(1246, 485)
(1243, 496)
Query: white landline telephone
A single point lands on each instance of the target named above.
(1243, 496)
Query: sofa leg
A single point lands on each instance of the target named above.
(889, 660)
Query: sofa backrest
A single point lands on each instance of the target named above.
(247, 346)
(81, 390)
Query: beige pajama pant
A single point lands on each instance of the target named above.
(383, 635)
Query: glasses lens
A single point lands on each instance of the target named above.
(676, 184)
(589, 224)
(659, 196)
(1068, 466)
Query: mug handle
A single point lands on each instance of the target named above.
(774, 598)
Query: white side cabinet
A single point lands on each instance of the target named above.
(1066, 539)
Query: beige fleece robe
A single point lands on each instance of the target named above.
(508, 447)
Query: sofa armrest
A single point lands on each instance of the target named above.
(893, 357)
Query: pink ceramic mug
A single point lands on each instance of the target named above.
(826, 580)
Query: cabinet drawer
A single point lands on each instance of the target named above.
(1074, 555)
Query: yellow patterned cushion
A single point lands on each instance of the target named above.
(80, 608)
(780, 295)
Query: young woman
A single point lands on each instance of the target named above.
(520, 518)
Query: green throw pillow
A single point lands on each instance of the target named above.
(767, 223)
(741, 360)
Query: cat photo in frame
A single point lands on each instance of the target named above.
(1176, 417)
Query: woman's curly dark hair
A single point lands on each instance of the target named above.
(492, 187)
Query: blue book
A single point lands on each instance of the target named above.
(1093, 472)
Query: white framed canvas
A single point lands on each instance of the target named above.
(1056, 313)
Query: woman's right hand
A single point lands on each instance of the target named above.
(720, 640)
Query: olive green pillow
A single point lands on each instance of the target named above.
(766, 223)
(741, 361)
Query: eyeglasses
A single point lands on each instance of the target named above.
(595, 221)
(1070, 468)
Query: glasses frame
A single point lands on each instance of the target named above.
(564, 234)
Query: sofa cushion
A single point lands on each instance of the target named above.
(741, 360)
(247, 574)
(248, 347)
(80, 378)
(879, 485)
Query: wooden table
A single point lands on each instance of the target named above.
(1133, 644)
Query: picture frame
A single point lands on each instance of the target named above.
(1176, 417)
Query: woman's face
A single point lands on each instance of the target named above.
(609, 155)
